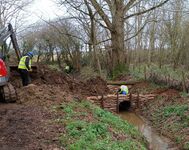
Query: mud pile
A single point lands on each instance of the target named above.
(93, 86)
(49, 86)
(42, 94)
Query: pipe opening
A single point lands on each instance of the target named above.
(124, 106)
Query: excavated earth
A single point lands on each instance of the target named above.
(27, 124)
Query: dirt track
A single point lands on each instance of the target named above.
(25, 127)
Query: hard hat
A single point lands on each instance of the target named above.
(30, 54)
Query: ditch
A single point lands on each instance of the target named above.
(156, 142)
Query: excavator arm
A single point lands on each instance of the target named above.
(7, 32)
(7, 91)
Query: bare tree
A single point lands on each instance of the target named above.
(113, 16)
(118, 12)
(10, 12)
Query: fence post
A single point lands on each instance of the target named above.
(117, 102)
(130, 99)
(138, 100)
(145, 73)
(102, 102)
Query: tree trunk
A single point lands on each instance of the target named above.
(94, 41)
(117, 33)
(93, 38)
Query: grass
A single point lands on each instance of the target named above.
(170, 115)
(88, 127)
(186, 145)
(54, 67)
(177, 110)
(88, 72)
(166, 70)
(174, 119)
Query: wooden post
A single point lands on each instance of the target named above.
(145, 73)
(117, 102)
(102, 102)
(138, 100)
(130, 98)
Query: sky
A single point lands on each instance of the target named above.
(47, 9)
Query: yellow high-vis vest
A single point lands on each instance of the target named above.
(124, 88)
(22, 63)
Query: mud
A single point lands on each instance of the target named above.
(26, 127)
(29, 124)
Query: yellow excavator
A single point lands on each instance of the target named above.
(7, 91)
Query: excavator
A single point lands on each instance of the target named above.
(7, 91)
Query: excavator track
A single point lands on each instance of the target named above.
(9, 93)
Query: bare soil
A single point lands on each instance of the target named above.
(29, 124)
(26, 127)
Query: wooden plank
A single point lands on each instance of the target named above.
(122, 82)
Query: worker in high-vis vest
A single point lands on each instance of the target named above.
(123, 90)
(67, 69)
(24, 68)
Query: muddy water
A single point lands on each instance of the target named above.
(156, 142)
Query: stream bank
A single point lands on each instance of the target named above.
(167, 113)
(151, 126)
(156, 142)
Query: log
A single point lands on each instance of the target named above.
(122, 82)
(110, 101)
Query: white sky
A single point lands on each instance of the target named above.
(46, 9)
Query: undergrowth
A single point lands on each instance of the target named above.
(174, 119)
(88, 127)
(166, 70)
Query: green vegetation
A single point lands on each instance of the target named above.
(184, 94)
(91, 128)
(166, 70)
(175, 110)
(121, 69)
(186, 145)
(174, 119)
(88, 72)
(168, 112)
(54, 67)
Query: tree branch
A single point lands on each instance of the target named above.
(109, 3)
(105, 18)
(127, 6)
(69, 35)
(137, 32)
(145, 11)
